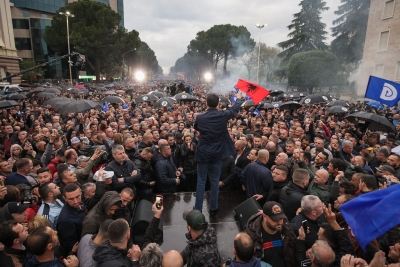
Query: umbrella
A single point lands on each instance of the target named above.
(374, 104)
(164, 102)
(185, 97)
(296, 96)
(223, 99)
(110, 92)
(38, 89)
(120, 92)
(146, 98)
(113, 100)
(80, 106)
(74, 91)
(16, 96)
(276, 104)
(248, 103)
(157, 94)
(275, 93)
(58, 102)
(24, 85)
(45, 95)
(314, 99)
(337, 109)
(290, 105)
(376, 122)
(340, 103)
(101, 89)
(109, 85)
(265, 105)
(8, 103)
(79, 86)
(52, 91)
(130, 90)
(13, 90)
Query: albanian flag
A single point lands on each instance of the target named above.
(253, 90)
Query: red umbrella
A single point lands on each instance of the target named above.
(79, 86)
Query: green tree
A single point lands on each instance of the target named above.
(349, 30)
(309, 70)
(307, 31)
(29, 76)
(93, 30)
(193, 65)
(144, 58)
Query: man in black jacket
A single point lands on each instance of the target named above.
(12, 236)
(279, 175)
(291, 195)
(143, 163)
(167, 174)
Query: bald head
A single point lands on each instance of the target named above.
(162, 142)
(270, 146)
(172, 259)
(243, 247)
(322, 254)
(239, 144)
(263, 155)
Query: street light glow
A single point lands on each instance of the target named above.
(208, 76)
(139, 75)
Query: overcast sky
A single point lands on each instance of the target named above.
(167, 26)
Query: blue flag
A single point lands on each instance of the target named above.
(247, 97)
(256, 112)
(372, 214)
(233, 98)
(383, 91)
(105, 107)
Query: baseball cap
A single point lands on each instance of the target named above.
(106, 175)
(75, 140)
(15, 207)
(81, 159)
(195, 219)
(366, 146)
(385, 168)
(274, 211)
(85, 140)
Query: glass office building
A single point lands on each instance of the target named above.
(49, 6)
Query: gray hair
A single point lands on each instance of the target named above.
(85, 187)
(152, 256)
(309, 203)
(117, 147)
(323, 254)
(347, 143)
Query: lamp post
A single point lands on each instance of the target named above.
(259, 26)
(123, 62)
(67, 14)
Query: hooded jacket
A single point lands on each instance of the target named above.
(290, 199)
(33, 262)
(203, 251)
(106, 255)
(253, 229)
(98, 214)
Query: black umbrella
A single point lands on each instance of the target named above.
(101, 89)
(276, 104)
(164, 102)
(58, 102)
(146, 98)
(296, 96)
(16, 96)
(185, 97)
(113, 100)
(80, 106)
(337, 109)
(314, 99)
(374, 122)
(130, 90)
(338, 103)
(276, 92)
(45, 95)
(157, 93)
(74, 91)
(52, 91)
(248, 103)
(223, 99)
(110, 92)
(290, 105)
(8, 103)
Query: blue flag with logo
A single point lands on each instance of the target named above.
(383, 91)
(105, 107)
(256, 112)
(372, 214)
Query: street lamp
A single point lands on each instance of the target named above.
(259, 48)
(123, 62)
(67, 14)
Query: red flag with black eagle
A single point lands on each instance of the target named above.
(253, 90)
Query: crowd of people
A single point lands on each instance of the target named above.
(70, 181)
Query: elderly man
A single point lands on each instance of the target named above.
(85, 165)
(319, 186)
(24, 167)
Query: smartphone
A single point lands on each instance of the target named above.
(1, 183)
(159, 201)
(304, 224)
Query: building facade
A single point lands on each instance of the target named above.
(9, 60)
(381, 56)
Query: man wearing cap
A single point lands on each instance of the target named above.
(13, 211)
(76, 143)
(85, 165)
(51, 206)
(366, 152)
(202, 248)
(273, 238)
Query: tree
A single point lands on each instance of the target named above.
(313, 69)
(30, 76)
(307, 30)
(92, 30)
(350, 30)
(192, 64)
(144, 58)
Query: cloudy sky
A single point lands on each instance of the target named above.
(167, 26)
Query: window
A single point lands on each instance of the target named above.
(397, 78)
(379, 70)
(383, 41)
(25, 13)
(388, 9)
(44, 16)
(20, 23)
(23, 43)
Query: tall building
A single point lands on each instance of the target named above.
(29, 21)
(381, 56)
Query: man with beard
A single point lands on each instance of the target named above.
(273, 238)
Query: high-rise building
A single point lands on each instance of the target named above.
(381, 56)
(29, 21)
